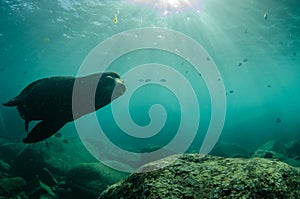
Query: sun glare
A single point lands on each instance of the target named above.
(166, 7)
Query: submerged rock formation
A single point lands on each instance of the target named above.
(287, 152)
(192, 176)
(87, 180)
(54, 154)
(56, 168)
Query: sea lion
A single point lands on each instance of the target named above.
(52, 101)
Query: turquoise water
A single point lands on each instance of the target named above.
(255, 45)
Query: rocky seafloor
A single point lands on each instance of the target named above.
(62, 168)
(193, 176)
(56, 168)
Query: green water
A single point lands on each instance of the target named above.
(257, 56)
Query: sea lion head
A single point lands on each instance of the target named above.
(110, 87)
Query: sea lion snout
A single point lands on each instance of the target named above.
(119, 88)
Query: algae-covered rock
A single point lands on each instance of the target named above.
(88, 180)
(193, 176)
(10, 187)
(55, 154)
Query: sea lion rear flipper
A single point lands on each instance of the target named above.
(12, 102)
(43, 130)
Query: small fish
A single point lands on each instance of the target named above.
(245, 60)
(46, 39)
(240, 64)
(246, 31)
(115, 20)
(266, 16)
(269, 86)
(231, 91)
(147, 80)
(294, 53)
(163, 80)
(47, 145)
(278, 120)
(58, 135)
(207, 58)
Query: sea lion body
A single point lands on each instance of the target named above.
(52, 100)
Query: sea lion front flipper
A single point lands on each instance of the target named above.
(43, 130)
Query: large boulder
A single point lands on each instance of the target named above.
(195, 176)
(59, 155)
(88, 180)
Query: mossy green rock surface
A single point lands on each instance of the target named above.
(193, 176)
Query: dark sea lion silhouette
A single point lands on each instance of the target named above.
(51, 101)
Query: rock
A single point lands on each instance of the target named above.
(9, 150)
(30, 161)
(193, 176)
(88, 180)
(53, 154)
(275, 150)
(4, 169)
(47, 178)
(22, 195)
(3, 175)
(4, 166)
(268, 154)
(35, 189)
(297, 158)
(273, 145)
(11, 187)
(224, 149)
(292, 148)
